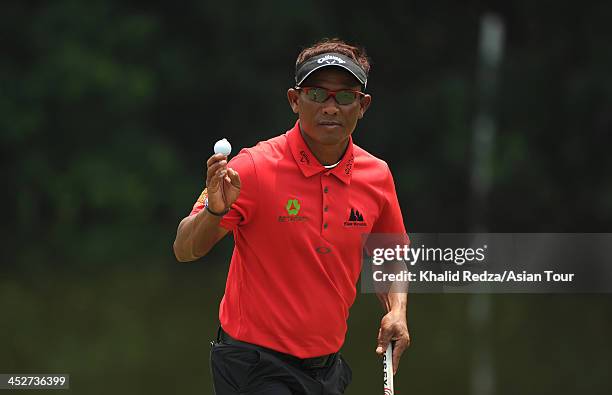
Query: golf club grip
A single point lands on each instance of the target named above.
(388, 371)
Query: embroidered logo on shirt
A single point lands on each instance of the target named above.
(355, 219)
(323, 250)
(349, 165)
(304, 157)
(293, 209)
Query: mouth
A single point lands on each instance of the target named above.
(330, 123)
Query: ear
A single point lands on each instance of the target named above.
(293, 97)
(364, 104)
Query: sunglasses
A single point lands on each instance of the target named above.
(320, 95)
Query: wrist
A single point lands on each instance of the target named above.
(401, 311)
(217, 214)
(398, 303)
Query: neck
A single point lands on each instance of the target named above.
(326, 154)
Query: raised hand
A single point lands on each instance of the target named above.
(222, 183)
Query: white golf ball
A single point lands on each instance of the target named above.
(223, 147)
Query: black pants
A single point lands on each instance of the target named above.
(249, 369)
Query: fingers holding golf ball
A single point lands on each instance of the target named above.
(217, 164)
(223, 183)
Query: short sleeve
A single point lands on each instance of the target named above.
(243, 209)
(200, 203)
(390, 221)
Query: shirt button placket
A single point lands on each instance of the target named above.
(325, 207)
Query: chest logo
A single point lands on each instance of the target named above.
(355, 219)
(293, 209)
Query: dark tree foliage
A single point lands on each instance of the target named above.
(109, 110)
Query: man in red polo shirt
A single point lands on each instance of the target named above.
(297, 206)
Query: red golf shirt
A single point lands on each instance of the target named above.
(297, 229)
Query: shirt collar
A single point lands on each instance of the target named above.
(309, 165)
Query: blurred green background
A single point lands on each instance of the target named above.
(109, 109)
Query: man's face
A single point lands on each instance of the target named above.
(328, 123)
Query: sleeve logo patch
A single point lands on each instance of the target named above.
(203, 199)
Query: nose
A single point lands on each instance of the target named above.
(330, 107)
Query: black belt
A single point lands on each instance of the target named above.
(323, 361)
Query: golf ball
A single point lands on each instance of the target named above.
(223, 147)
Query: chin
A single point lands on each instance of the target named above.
(329, 138)
(326, 135)
(330, 129)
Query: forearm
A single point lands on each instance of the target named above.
(394, 295)
(394, 301)
(196, 235)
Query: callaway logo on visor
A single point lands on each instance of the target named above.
(330, 59)
(304, 69)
